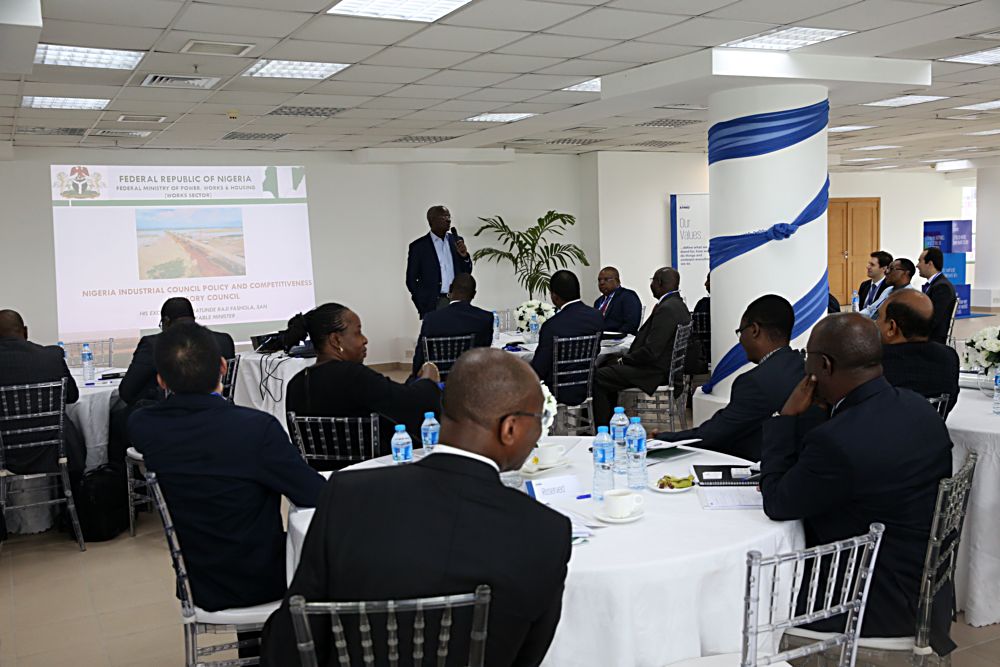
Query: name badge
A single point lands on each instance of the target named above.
(553, 488)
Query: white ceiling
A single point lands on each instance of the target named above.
(411, 80)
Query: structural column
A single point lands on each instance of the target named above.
(986, 282)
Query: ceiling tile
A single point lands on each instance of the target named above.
(541, 82)
(778, 11)
(175, 40)
(355, 30)
(149, 13)
(462, 39)
(592, 68)
(944, 49)
(566, 97)
(706, 32)
(240, 20)
(470, 106)
(184, 63)
(399, 56)
(502, 95)
(220, 110)
(324, 52)
(353, 88)
(434, 114)
(69, 90)
(55, 74)
(144, 106)
(311, 6)
(164, 94)
(314, 100)
(871, 14)
(428, 92)
(378, 74)
(454, 77)
(686, 7)
(559, 46)
(499, 62)
(615, 23)
(268, 85)
(513, 14)
(97, 35)
(399, 103)
(233, 97)
(643, 52)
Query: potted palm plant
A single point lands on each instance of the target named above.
(533, 255)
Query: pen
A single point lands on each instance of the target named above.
(583, 497)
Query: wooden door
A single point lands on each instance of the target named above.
(854, 233)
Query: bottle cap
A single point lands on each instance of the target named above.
(427, 415)
(635, 420)
(602, 429)
(400, 427)
(619, 411)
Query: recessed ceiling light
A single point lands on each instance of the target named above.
(786, 39)
(884, 166)
(125, 134)
(864, 159)
(953, 165)
(140, 118)
(293, 69)
(971, 116)
(850, 128)
(89, 103)
(905, 100)
(988, 57)
(402, 10)
(982, 106)
(81, 56)
(592, 86)
(874, 148)
(982, 133)
(53, 131)
(499, 117)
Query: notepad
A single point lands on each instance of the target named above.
(724, 475)
(730, 498)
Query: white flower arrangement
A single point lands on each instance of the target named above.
(540, 309)
(983, 349)
(549, 407)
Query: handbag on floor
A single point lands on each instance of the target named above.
(102, 503)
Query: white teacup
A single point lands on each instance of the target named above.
(549, 454)
(621, 503)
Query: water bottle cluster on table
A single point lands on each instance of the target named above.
(429, 432)
(619, 449)
(402, 446)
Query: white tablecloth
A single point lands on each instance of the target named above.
(665, 588)
(261, 380)
(607, 347)
(974, 428)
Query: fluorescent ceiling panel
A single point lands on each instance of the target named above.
(787, 39)
(427, 11)
(37, 102)
(982, 106)
(884, 166)
(905, 100)
(592, 86)
(988, 57)
(874, 148)
(499, 117)
(81, 56)
(850, 128)
(983, 133)
(293, 69)
(864, 159)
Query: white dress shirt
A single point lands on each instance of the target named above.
(443, 250)
(872, 310)
(448, 449)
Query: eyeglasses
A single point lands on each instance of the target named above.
(739, 332)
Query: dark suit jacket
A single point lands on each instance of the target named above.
(423, 272)
(347, 389)
(864, 287)
(574, 319)
(654, 344)
(930, 369)
(879, 458)
(755, 396)
(139, 382)
(469, 530)
(459, 319)
(624, 312)
(223, 470)
(942, 295)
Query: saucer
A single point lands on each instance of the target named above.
(635, 516)
(654, 487)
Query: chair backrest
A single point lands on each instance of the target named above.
(942, 547)
(573, 362)
(940, 404)
(442, 608)
(443, 351)
(335, 438)
(229, 379)
(702, 324)
(836, 578)
(950, 340)
(174, 545)
(31, 416)
(679, 355)
(103, 351)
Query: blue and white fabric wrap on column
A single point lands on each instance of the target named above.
(757, 135)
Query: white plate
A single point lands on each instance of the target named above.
(654, 487)
(530, 468)
(635, 516)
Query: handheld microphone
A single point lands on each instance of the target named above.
(454, 232)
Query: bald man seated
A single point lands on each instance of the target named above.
(910, 358)
(443, 525)
(878, 458)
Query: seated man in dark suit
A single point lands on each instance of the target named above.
(460, 318)
(139, 383)
(433, 261)
(469, 529)
(877, 269)
(765, 332)
(909, 358)
(574, 318)
(223, 470)
(620, 306)
(841, 479)
(930, 264)
(647, 363)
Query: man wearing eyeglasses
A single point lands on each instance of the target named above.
(901, 272)
(879, 458)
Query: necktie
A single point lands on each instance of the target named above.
(871, 295)
(604, 304)
(926, 287)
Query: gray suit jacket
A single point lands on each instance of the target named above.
(654, 344)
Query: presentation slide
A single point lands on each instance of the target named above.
(233, 240)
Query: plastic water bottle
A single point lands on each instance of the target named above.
(619, 424)
(635, 442)
(429, 432)
(496, 325)
(996, 393)
(604, 456)
(533, 328)
(402, 446)
(855, 302)
(87, 357)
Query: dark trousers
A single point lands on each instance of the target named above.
(612, 378)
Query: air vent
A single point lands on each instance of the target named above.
(139, 118)
(53, 131)
(121, 134)
(323, 112)
(573, 142)
(668, 122)
(253, 136)
(205, 48)
(416, 139)
(179, 81)
(658, 144)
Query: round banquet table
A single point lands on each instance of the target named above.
(261, 380)
(665, 588)
(974, 428)
(528, 351)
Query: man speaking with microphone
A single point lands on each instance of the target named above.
(434, 260)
